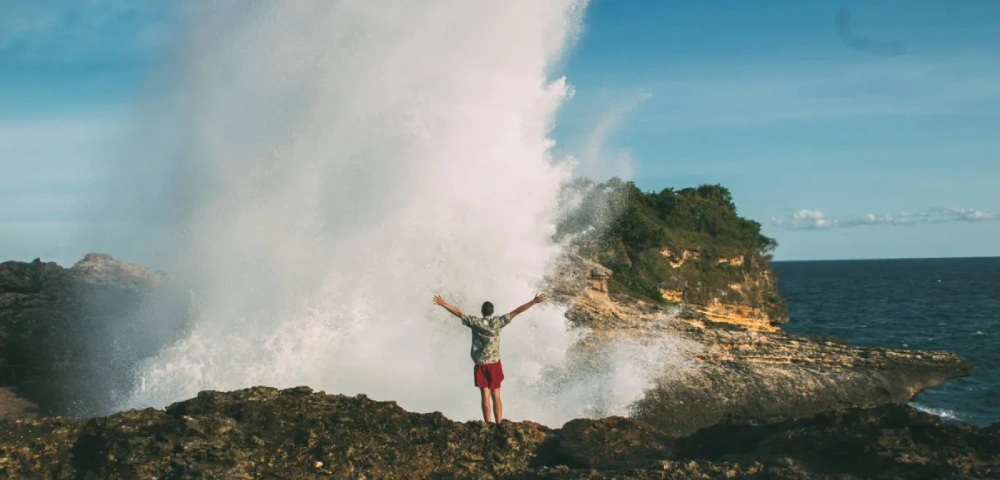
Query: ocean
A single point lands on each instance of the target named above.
(925, 304)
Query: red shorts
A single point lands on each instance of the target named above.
(489, 375)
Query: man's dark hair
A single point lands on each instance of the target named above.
(487, 309)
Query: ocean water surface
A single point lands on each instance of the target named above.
(925, 304)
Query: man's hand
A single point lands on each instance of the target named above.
(454, 311)
(539, 298)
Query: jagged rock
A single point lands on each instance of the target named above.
(297, 433)
(613, 443)
(69, 337)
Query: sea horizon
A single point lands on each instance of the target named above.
(867, 259)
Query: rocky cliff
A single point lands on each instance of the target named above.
(748, 297)
(685, 247)
(297, 433)
(69, 336)
(682, 267)
(739, 369)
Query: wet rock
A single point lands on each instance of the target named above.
(613, 443)
(69, 337)
(296, 433)
(886, 442)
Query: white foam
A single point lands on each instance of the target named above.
(940, 412)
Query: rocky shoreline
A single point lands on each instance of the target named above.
(740, 399)
(297, 433)
(744, 370)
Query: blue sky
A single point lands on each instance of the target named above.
(838, 151)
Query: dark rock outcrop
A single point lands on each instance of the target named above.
(296, 433)
(69, 337)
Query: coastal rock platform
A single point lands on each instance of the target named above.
(263, 432)
(741, 369)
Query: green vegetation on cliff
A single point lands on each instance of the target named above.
(690, 241)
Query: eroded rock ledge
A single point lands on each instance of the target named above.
(723, 370)
(297, 433)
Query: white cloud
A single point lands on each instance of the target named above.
(805, 219)
(969, 214)
(817, 220)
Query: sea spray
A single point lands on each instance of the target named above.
(339, 163)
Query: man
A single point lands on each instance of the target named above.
(488, 371)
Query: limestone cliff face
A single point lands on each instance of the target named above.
(739, 292)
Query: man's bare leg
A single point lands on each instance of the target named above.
(485, 393)
(497, 405)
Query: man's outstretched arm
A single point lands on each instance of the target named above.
(519, 310)
(454, 310)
